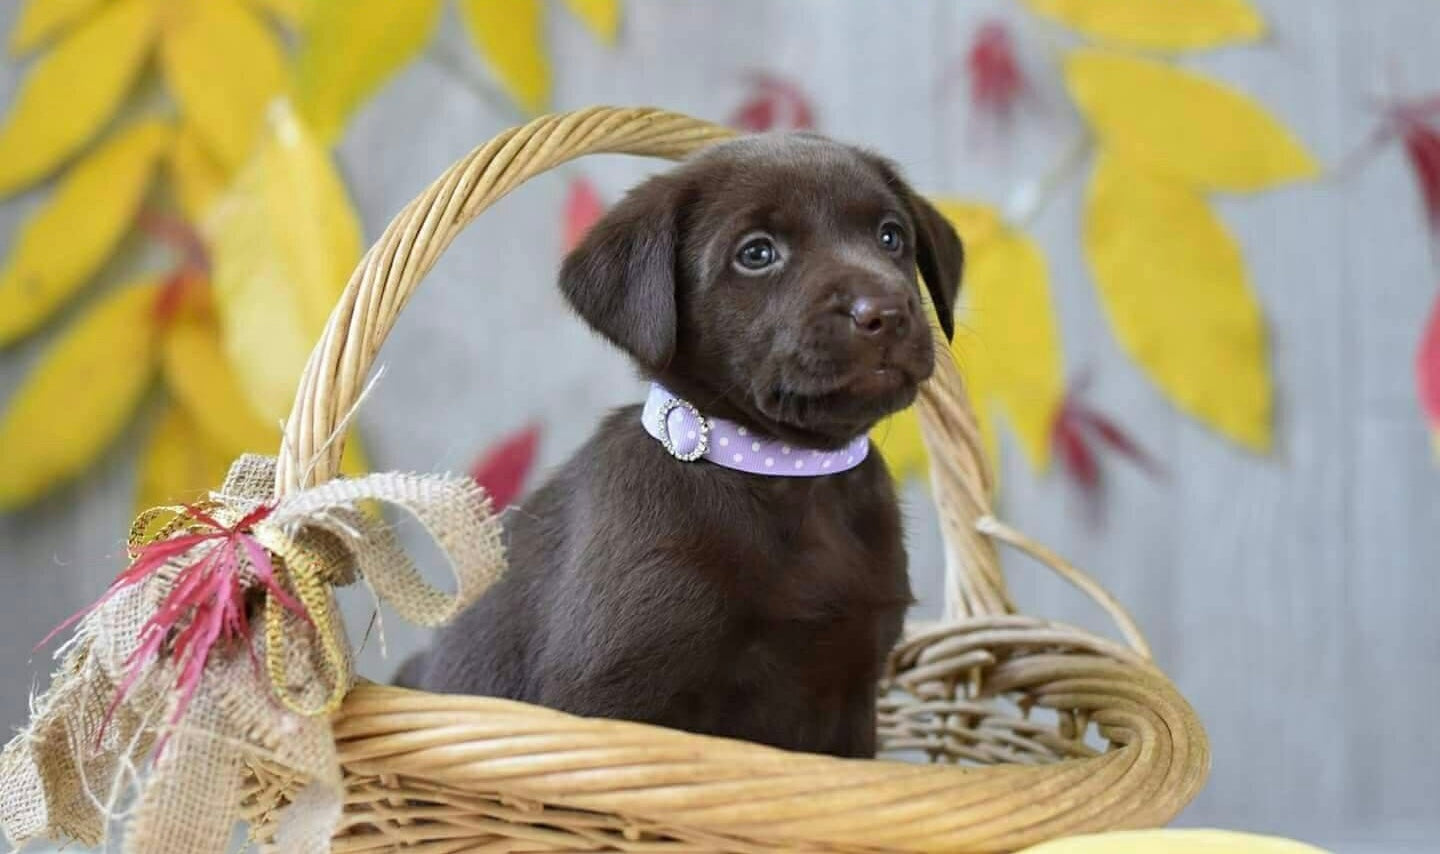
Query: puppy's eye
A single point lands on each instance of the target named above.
(756, 254)
(892, 239)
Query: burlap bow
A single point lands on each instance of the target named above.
(64, 775)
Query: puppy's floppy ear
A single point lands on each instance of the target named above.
(938, 250)
(941, 257)
(621, 278)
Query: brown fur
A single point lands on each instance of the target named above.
(687, 594)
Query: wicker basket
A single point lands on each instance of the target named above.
(1082, 733)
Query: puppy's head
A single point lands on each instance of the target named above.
(771, 280)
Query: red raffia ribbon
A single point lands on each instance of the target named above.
(205, 606)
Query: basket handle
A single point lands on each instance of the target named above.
(380, 287)
(390, 271)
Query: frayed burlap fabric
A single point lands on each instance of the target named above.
(67, 777)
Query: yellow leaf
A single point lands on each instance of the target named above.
(975, 223)
(295, 14)
(1185, 841)
(601, 17)
(73, 91)
(510, 34)
(80, 396)
(1174, 288)
(1011, 350)
(201, 379)
(198, 177)
(900, 442)
(353, 460)
(59, 248)
(333, 77)
(178, 464)
(1183, 124)
(1007, 342)
(284, 241)
(225, 67)
(1170, 25)
(44, 19)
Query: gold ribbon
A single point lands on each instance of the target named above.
(310, 577)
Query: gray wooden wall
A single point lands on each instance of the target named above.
(1293, 597)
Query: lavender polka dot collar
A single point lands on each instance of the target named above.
(689, 436)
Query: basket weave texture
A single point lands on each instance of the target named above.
(1075, 733)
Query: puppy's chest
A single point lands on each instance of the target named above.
(815, 562)
(823, 588)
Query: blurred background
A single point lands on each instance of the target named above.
(1201, 321)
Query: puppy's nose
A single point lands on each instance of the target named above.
(880, 317)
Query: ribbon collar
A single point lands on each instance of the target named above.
(688, 435)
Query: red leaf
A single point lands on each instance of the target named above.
(1118, 440)
(1082, 419)
(181, 236)
(1077, 425)
(996, 80)
(1427, 367)
(177, 289)
(1422, 143)
(1079, 460)
(582, 208)
(774, 104)
(502, 470)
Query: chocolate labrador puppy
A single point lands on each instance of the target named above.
(731, 563)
